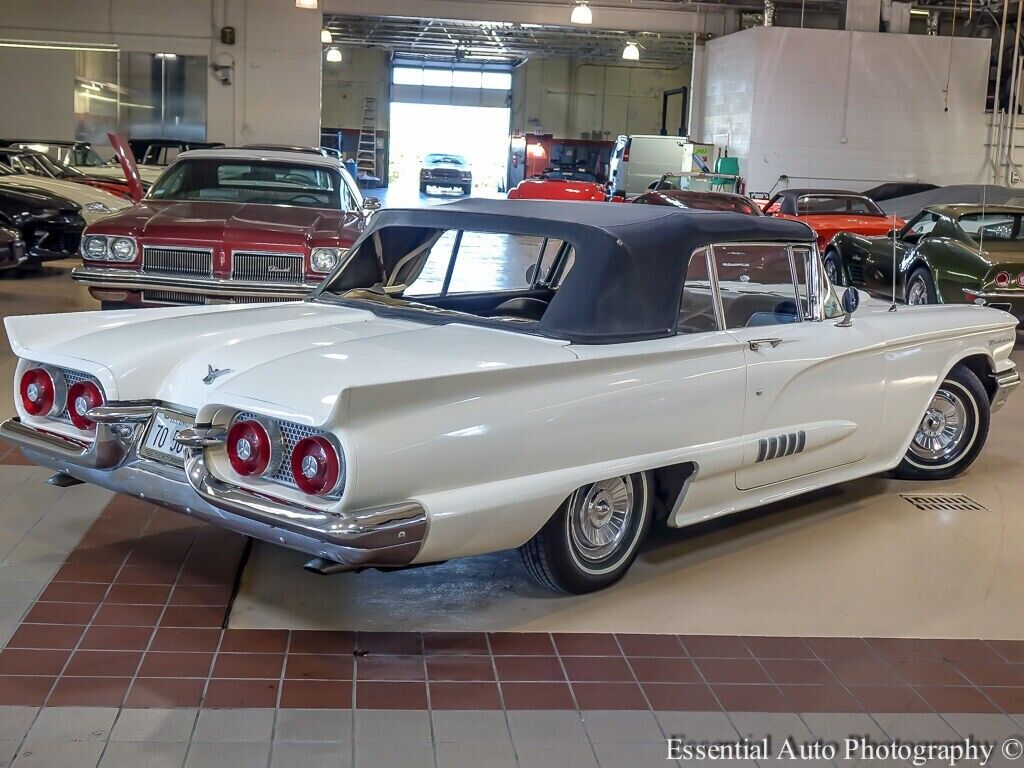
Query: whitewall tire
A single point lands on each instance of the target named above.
(952, 431)
(594, 536)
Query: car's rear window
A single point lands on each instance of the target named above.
(992, 226)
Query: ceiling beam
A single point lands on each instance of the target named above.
(666, 17)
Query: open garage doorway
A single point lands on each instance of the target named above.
(451, 118)
(477, 134)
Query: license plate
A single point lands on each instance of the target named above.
(159, 442)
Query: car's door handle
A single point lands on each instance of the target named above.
(756, 344)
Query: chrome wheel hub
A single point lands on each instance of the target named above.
(599, 516)
(918, 293)
(942, 429)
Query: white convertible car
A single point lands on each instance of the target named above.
(496, 374)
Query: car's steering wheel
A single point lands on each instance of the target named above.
(309, 198)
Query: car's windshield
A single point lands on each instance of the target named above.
(992, 226)
(241, 180)
(48, 166)
(439, 159)
(85, 156)
(809, 205)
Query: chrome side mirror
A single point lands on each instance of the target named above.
(371, 204)
(851, 300)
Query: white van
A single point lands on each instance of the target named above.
(638, 161)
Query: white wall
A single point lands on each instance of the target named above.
(847, 109)
(275, 94)
(362, 73)
(570, 98)
(24, 75)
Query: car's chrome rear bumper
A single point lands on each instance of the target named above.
(1006, 382)
(388, 536)
(132, 280)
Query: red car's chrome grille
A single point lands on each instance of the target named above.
(266, 267)
(166, 260)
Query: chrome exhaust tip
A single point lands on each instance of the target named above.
(324, 567)
(62, 480)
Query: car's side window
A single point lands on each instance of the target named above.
(697, 304)
(757, 284)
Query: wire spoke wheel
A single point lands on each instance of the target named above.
(918, 293)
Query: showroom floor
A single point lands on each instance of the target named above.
(136, 637)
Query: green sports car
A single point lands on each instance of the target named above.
(947, 254)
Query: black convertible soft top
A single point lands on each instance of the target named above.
(630, 260)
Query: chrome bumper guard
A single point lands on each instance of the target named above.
(388, 536)
(1006, 382)
(131, 280)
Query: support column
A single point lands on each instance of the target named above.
(695, 117)
(863, 15)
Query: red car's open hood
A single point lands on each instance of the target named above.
(127, 160)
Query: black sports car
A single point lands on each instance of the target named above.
(50, 226)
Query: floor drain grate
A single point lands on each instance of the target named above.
(943, 502)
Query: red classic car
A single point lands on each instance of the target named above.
(225, 226)
(560, 185)
(830, 211)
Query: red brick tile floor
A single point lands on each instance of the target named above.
(135, 617)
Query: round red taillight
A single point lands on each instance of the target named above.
(1020, 279)
(39, 392)
(83, 396)
(1003, 279)
(249, 448)
(316, 466)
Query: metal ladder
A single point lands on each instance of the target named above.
(366, 153)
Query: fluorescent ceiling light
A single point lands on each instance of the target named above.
(334, 54)
(325, 36)
(166, 55)
(581, 13)
(99, 47)
(308, 4)
(631, 52)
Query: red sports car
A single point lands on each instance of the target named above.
(829, 212)
(558, 185)
(224, 226)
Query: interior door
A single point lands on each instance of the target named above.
(813, 397)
